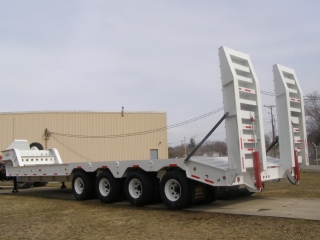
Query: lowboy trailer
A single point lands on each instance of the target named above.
(179, 182)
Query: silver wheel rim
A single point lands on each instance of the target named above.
(135, 188)
(104, 187)
(79, 185)
(172, 190)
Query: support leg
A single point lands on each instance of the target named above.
(15, 185)
(63, 186)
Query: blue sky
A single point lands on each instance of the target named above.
(149, 55)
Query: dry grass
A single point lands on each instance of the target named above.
(309, 187)
(38, 218)
(25, 217)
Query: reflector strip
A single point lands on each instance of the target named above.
(295, 100)
(55, 174)
(195, 176)
(135, 166)
(104, 167)
(172, 165)
(249, 127)
(209, 181)
(241, 143)
(242, 162)
(79, 167)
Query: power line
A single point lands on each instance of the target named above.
(143, 132)
(71, 150)
(267, 93)
(151, 130)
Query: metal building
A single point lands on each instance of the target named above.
(90, 136)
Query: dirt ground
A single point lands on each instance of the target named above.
(25, 217)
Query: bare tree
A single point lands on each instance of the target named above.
(211, 147)
(268, 140)
(312, 111)
(191, 145)
(176, 152)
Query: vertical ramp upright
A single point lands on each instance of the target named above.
(291, 118)
(241, 96)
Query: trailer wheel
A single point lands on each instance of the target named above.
(138, 188)
(36, 146)
(107, 187)
(82, 186)
(175, 190)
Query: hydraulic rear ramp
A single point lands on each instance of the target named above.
(246, 164)
(241, 97)
(291, 121)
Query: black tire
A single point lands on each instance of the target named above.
(107, 187)
(24, 185)
(175, 190)
(36, 145)
(138, 188)
(82, 186)
(210, 195)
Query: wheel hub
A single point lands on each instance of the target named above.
(135, 188)
(172, 190)
(104, 187)
(79, 185)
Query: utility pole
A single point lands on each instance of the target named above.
(315, 147)
(272, 123)
(185, 147)
(194, 139)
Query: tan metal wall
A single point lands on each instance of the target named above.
(31, 126)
